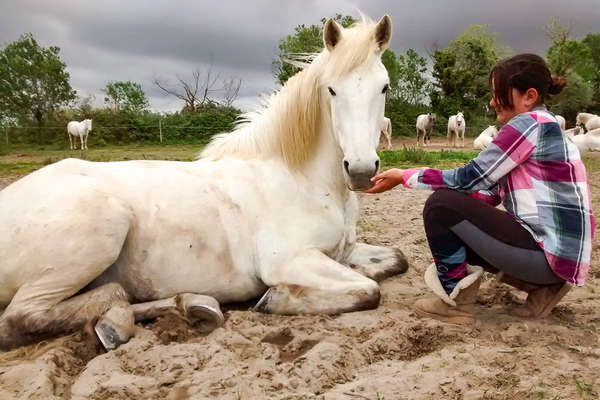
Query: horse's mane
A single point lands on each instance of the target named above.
(289, 121)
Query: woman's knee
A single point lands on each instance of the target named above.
(443, 207)
(439, 199)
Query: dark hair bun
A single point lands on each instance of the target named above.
(557, 85)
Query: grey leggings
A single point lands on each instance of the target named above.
(492, 238)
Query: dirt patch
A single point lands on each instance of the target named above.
(383, 353)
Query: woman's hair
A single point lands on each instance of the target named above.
(522, 72)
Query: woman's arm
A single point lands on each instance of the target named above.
(513, 145)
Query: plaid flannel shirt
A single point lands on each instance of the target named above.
(537, 174)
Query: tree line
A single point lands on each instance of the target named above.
(37, 100)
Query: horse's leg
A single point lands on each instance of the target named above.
(81, 138)
(462, 139)
(419, 138)
(196, 308)
(44, 305)
(377, 262)
(106, 304)
(70, 140)
(388, 136)
(313, 283)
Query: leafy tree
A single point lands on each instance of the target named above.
(126, 96)
(412, 85)
(575, 97)
(592, 40)
(574, 60)
(461, 70)
(305, 40)
(33, 81)
(308, 40)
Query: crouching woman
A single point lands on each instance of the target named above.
(542, 243)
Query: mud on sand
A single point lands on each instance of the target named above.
(387, 353)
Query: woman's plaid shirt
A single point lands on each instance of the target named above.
(537, 174)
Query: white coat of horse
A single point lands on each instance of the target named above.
(270, 210)
(456, 129)
(386, 133)
(424, 126)
(588, 142)
(486, 137)
(561, 121)
(76, 129)
(573, 131)
(587, 121)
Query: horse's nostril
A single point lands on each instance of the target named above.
(347, 166)
(376, 165)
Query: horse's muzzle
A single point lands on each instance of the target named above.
(358, 179)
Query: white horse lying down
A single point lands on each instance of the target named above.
(561, 121)
(269, 211)
(79, 130)
(588, 142)
(386, 132)
(588, 121)
(456, 129)
(424, 127)
(486, 137)
(573, 131)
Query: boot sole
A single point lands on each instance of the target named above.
(456, 320)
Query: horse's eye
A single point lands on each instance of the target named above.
(385, 88)
(331, 90)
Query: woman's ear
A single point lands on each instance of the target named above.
(532, 96)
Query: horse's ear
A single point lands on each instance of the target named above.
(383, 32)
(332, 34)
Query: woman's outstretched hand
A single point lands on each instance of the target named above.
(385, 180)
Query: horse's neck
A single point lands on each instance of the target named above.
(325, 166)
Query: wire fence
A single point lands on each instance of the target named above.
(162, 133)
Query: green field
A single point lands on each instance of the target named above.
(18, 161)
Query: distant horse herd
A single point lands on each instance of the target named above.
(585, 134)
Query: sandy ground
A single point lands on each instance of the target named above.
(386, 353)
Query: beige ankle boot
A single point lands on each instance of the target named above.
(540, 299)
(456, 307)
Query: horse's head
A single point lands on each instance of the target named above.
(579, 121)
(355, 82)
(88, 123)
(460, 118)
(431, 117)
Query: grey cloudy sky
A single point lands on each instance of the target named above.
(138, 40)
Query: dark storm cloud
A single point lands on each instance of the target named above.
(140, 40)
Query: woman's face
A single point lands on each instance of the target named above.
(522, 102)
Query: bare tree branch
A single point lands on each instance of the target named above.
(198, 92)
(231, 88)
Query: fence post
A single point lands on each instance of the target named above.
(160, 129)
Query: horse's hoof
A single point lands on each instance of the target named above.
(115, 327)
(203, 311)
(263, 304)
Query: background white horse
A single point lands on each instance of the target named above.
(270, 210)
(561, 121)
(79, 130)
(588, 142)
(424, 126)
(486, 137)
(573, 131)
(386, 133)
(588, 121)
(456, 128)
